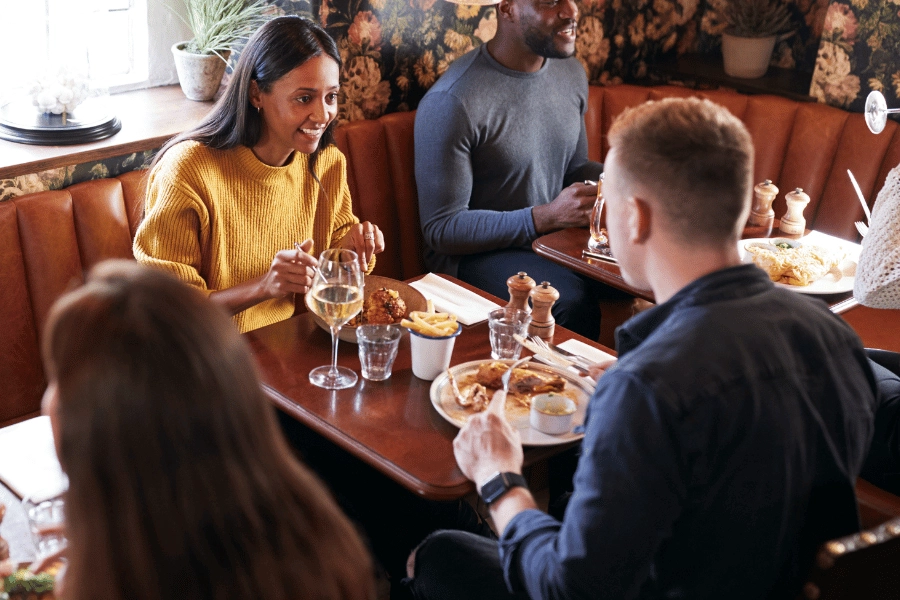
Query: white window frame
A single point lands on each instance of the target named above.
(153, 29)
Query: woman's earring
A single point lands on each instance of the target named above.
(259, 109)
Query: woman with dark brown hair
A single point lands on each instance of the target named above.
(181, 484)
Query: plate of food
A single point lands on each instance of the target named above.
(387, 301)
(477, 381)
(820, 265)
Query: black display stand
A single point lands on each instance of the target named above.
(91, 121)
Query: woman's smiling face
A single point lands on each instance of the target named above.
(298, 108)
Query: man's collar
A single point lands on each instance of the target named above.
(725, 284)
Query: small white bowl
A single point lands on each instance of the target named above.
(552, 413)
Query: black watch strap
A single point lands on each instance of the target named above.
(495, 487)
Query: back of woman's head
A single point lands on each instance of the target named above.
(181, 485)
(277, 48)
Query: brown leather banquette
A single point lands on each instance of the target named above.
(49, 239)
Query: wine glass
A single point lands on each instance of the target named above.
(336, 296)
(876, 111)
(598, 238)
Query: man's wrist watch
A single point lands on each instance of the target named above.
(500, 483)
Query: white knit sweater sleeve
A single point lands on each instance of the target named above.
(878, 274)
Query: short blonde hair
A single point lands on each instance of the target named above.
(695, 158)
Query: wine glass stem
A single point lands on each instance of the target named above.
(333, 372)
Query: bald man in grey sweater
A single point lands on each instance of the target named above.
(501, 158)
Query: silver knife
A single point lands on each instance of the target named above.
(859, 194)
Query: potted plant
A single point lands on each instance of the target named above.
(749, 38)
(216, 25)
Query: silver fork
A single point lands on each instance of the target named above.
(862, 228)
(505, 377)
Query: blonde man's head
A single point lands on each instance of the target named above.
(691, 158)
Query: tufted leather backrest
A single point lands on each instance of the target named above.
(805, 145)
(47, 241)
(383, 186)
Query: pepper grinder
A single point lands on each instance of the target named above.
(520, 286)
(762, 217)
(542, 322)
(793, 222)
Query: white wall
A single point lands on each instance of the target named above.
(165, 29)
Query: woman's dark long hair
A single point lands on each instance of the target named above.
(181, 485)
(276, 49)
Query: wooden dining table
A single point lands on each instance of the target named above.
(390, 425)
(877, 328)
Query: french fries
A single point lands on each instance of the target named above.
(431, 323)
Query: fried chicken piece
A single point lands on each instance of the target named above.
(522, 381)
(384, 307)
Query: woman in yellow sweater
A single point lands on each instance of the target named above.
(228, 200)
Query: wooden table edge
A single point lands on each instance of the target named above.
(582, 266)
(364, 453)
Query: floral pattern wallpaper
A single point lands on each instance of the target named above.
(55, 179)
(394, 50)
(858, 53)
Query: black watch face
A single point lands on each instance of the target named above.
(499, 484)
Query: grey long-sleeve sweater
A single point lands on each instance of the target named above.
(490, 144)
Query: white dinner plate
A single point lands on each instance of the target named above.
(579, 390)
(830, 284)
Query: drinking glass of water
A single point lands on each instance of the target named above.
(47, 520)
(377, 350)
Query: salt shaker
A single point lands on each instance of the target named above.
(762, 217)
(520, 286)
(793, 222)
(542, 322)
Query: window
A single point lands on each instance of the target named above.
(107, 39)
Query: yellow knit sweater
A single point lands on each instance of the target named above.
(216, 218)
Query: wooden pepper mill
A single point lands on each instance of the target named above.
(542, 322)
(793, 222)
(762, 217)
(520, 286)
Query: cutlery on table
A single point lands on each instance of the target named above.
(862, 228)
(550, 356)
(570, 356)
(599, 256)
(862, 199)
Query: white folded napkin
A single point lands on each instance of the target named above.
(589, 352)
(581, 349)
(469, 307)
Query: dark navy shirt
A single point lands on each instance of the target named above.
(719, 452)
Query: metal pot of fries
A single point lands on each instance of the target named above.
(432, 336)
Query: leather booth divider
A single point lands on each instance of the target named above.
(49, 239)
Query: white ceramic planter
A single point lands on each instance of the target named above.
(199, 74)
(747, 58)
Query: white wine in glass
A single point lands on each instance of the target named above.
(336, 296)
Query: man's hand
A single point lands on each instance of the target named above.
(572, 208)
(599, 369)
(487, 443)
